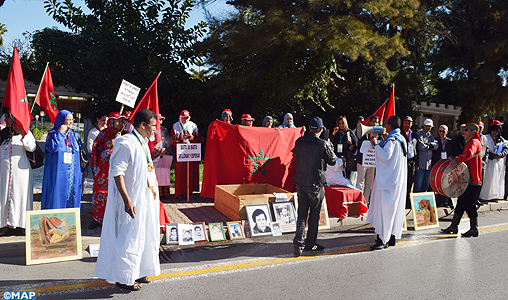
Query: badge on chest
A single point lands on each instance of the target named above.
(67, 158)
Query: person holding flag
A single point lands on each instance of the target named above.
(16, 177)
(61, 185)
(101, 153)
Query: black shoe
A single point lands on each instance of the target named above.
(451, 229)
(391, 242)
(298, 251)
(379, 244)
(93, 225)
(315, 248)
(473, 232)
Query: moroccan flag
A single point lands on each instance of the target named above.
(380, 112)
(390, 105)
(15, 95)
(386, 110)
(241, 155)
(46, 95)
(150, 101)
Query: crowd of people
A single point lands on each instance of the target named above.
(130, 168)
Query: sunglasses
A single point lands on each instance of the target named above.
(442, 130)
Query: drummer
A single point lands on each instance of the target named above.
(472, 157)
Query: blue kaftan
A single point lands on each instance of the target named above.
(61, 187)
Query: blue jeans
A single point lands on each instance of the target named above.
(422, 180)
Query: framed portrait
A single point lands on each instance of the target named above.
(284, 213)
(171, 234)
(199, 229)
(235, 230)
(216, 232)
(185, 234)
(53, 235)
(276, 231)
(424, 210)
(259, 219)
(246, 228)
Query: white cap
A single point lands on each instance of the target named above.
(428, 122)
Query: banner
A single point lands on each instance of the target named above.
(238, 154)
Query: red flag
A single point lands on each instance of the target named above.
(380, 112)
(390, 106)
(15, 95)
(46, 95)
(150, 100)
(243, 154)
(386, 110)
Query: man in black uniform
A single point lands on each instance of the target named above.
(311, 155)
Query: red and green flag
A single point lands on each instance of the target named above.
(150, 101)
(15, 98)
(46, 95)
(243, 155)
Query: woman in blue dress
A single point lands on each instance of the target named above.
(61, 187)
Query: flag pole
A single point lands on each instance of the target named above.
(39, 89)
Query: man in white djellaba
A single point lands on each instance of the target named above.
(129, 249)
(388, 200)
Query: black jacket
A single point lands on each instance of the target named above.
(436, 154)
(311, 155)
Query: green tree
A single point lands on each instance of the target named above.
(325, 57)
(472, 60)
(3, 30)
(120, 39)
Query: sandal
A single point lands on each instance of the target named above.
(134, 287)
(143, 279)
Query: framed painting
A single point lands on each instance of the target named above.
(424, 210)
(185, 234)
(259, 219)
(199, 229)
(216, 232)
(53, 235)
(235, 231)
(284, 213)
(171, 234)
(324, 221)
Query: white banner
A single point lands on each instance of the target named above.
(127, 93)
(188, 152)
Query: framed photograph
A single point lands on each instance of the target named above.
(324, 221)
(259, 219)
(53, 235)
(235, 230)
(185, 234)
(171, 234)
(199, 232)
(424, 210)
(246, 228)
(284, 213)
(216, 232)
(276, 231)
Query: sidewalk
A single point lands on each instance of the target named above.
(198, 209)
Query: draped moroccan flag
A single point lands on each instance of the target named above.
(386, 110)
(15, 95)
(46, 95)
(241, 155)
(150, 101)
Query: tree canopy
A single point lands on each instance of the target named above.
(120, 39)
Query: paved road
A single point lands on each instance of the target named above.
(425, 265)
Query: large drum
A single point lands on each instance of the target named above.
(448, 182)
